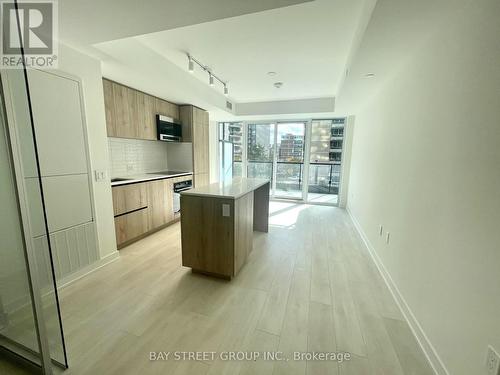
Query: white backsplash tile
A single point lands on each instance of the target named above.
(135, 156)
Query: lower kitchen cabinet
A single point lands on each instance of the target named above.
(143, 207)
(127, 198)
(131, 225)
(160, 202)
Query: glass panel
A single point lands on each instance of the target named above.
(260, 170)
(231, 152)
(17, 322)
(327, 138)
(237, 169)
(260, 151)
(227, 163)
(35, 239)
(290, 160)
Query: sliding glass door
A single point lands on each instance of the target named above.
(325, 158)
(261, 151)
(302, 159)
(289, 150)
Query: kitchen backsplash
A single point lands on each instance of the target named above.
(135, 156)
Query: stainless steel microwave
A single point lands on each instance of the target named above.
(167, 129)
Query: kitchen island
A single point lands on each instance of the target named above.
(217, 224)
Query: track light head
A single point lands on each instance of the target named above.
(210, 79)
(226, 91)
(190, 64)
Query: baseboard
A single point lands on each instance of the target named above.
(46, 292)
(417, 330)
(70, 279)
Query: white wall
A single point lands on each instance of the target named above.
(88, 70)
(426, 165)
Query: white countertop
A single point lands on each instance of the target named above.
(233, 189)
(132, 179)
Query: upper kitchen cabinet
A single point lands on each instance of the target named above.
(59, 124)
(167, 109)
(145, 116)
(132, 113)
(195, 124)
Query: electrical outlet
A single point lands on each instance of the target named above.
(380, 230)
(387, 237)
(492, 362)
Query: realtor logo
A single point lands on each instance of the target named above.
(32, 24)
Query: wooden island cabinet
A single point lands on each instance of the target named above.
(217, 224)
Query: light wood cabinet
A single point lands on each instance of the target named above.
(201, 179)
(186, 117)
(145, 116)
(124, 103)
(132, 113)
(160, 197)
(128, 198)
(166, 109)
(151, 201)
(109, 106)
(200, 141)
(195, 128)
(131, 226)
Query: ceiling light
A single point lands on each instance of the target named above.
(211, 77)
(190, 64)
(272, 74)
(278, 84)
(369, 75)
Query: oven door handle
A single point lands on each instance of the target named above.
(182, 189)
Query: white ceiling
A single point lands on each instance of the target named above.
(94, 21)
(307, 45)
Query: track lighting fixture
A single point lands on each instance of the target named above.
(211, 77)
(190, 64)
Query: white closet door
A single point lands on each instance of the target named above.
(58, 121)
(67, 201)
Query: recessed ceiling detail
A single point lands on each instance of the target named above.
(304, 47)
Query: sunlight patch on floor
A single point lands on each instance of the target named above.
(284, 214)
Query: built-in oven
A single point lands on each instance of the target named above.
(167, 129)
(178, 187)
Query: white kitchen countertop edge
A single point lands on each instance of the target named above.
(132, 180)
(232, 190)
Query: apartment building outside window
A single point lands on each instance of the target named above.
(300, 163)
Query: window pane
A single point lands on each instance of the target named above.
(260, 170)
(291, 142)
(260, 142)
(327, 137)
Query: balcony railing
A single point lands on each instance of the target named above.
(324, 178)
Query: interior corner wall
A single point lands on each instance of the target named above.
(88, 70)
(426, 166)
